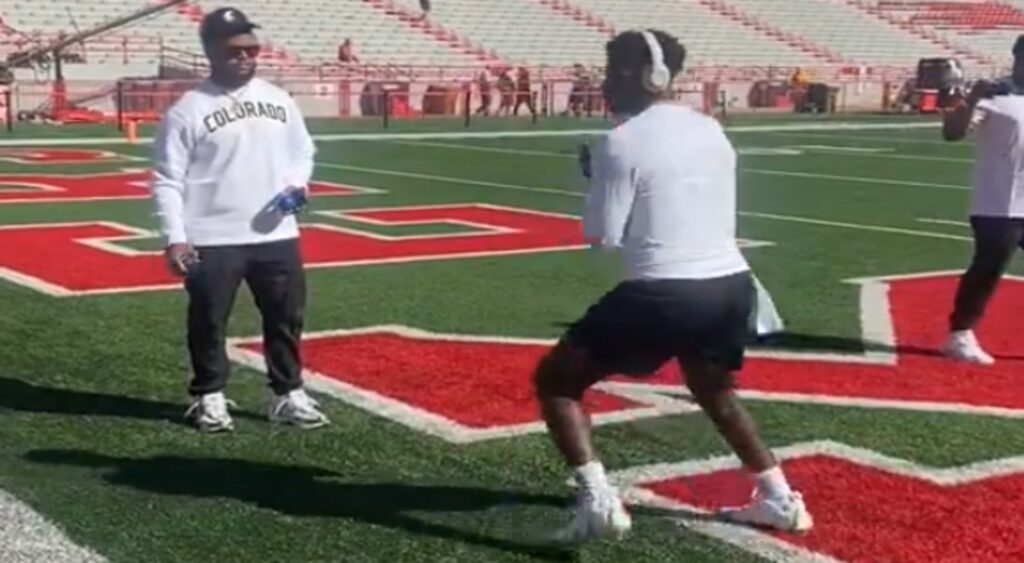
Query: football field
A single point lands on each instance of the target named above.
(442, 262)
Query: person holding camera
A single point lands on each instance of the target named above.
(994, 112)
(233, 160)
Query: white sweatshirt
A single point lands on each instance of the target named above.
(222, 157)
(663, 191)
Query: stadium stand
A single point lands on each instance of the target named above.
(853, 34)
(982, 28)
(523, 31)
(303, 31)
(312, 31)
(40, 21)
(463, 33)
(711, 38)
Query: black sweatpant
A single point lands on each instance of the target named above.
(274, 273)
(995, 241)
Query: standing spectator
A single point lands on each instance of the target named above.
(346, 53)
(507, 89)
(484, 85)
(524, 93)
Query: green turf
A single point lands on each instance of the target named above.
(91, 389)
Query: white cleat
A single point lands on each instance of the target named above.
(599, 513)
(210, 413)
(963, 346)
(786, 513)
(298, 409)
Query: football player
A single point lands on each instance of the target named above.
(663, 193)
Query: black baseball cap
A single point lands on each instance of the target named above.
(1018, 47)
(223, 23)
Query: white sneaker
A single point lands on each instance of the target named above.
(599, 513)
(210, 413)
(786, 513)
(963, 346)
(297, 408)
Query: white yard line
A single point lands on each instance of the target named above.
(328, 137)
(855, 179)
(26, 536)
(943, 222)
(570, 193)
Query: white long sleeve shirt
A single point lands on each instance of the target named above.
(663, 191)
(998, 124)
(221, 159)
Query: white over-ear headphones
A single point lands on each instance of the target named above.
(658, 77)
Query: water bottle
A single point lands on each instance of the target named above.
(291, 201)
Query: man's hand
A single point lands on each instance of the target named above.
(181, 258)
(984, 90)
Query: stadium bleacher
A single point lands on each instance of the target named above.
(981, 27)
(553, 33)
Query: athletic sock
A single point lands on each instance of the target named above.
(591, 475)
(772, 483)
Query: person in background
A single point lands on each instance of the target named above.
(506, 87)
(346, 53)
(994, 111)
(524, 92)
(484, 85)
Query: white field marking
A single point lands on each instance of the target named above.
(104, 157)
(795, 150)
(427, 422)
(26, 187)
(844, 149)
(632, 482)
(481, 148)
(107, 244)
(885, 153)
(855, 179)
(658, 400)
(448, 179)
(769, 151)
(570, 193)
(943, 222)
(751, 151)
(26, 535)
(777, 127)
(34, 187)
(102, 243)
(877, 329)
(855, 226)
(866, 139)
(475, 229)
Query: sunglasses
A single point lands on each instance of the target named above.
(252, 51)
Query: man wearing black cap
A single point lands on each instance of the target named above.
(233, 161)
(995, 112)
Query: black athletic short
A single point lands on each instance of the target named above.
(640, 325)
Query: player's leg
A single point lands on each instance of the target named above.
(611, 338)
(276, 276)
(775, 504)
(713, 319)
(560, 380)
(212, 285)
(995, 240)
